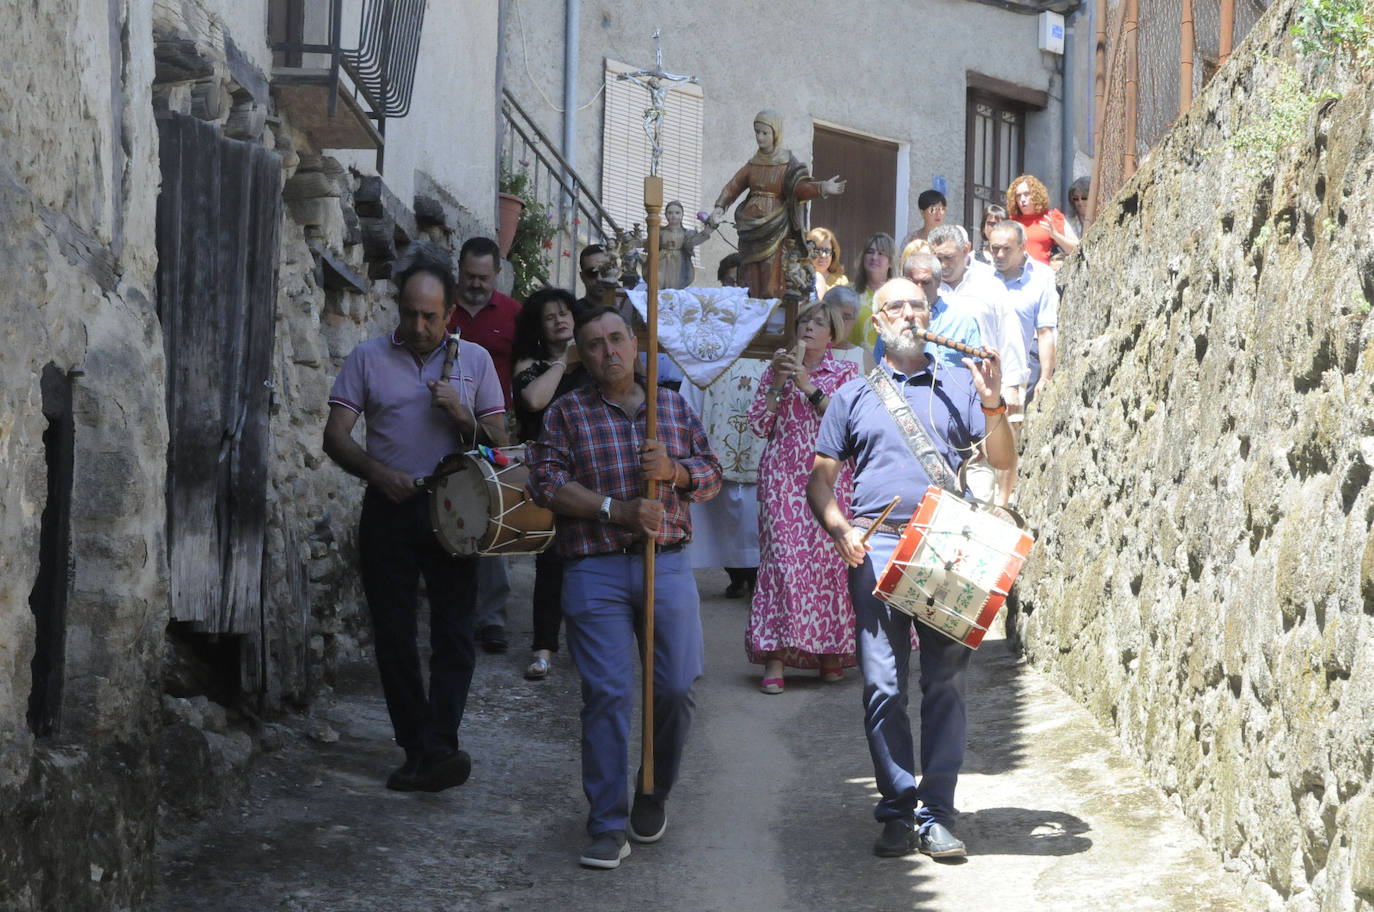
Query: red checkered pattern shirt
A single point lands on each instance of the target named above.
(592, 442)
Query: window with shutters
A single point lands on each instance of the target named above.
(626, 150)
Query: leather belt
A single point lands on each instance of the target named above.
(638, 548)
(887, 525)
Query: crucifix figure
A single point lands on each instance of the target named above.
(658, 83)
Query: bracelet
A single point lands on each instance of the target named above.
(816, 396)
(1000, 409)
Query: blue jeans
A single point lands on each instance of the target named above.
(884, 652)
(603, 610)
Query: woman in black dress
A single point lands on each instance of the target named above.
(544, 366)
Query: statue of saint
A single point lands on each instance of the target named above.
(675, 246)
(772, 221)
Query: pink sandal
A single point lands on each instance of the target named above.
(832, 675)
(771, 685)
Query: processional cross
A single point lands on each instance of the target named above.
(658, 82)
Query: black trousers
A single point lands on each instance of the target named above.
(548, 598)
(396, 546)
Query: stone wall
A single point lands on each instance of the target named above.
(78, 182)
(1203, 578)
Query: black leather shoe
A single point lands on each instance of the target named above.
(407, 777)
(443, 772)
(493, 639)
(897, 839)
(736, 588)
(938, 842)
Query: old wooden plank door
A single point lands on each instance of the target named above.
(218, 228)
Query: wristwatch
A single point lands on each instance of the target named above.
(604, 514)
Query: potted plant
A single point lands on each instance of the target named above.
(531, 237)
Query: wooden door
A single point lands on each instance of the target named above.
(218, 227)
(996, 143)
(869, 203)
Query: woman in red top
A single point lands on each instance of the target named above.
(1028, 202)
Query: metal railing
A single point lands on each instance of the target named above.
(382, 66)
(557, 187)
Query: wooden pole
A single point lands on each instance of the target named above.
(1185, 67)
(1132, 78)
(653, 208)
(1228, 26)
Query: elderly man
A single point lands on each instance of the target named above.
(590, 467)
(415, 417)
(978, 294)
(487, 317)
(858, 426)
(925, 270)
(1033, 298)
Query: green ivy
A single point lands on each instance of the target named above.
(1258, 142)
(1336, 29)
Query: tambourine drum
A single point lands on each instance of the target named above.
(476, 507)
(953, 566)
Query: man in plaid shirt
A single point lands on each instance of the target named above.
(590, 467)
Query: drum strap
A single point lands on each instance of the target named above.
(913, 432)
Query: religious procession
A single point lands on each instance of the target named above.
(844, 452)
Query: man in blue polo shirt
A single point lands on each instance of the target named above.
(414, 419)
(858, 427)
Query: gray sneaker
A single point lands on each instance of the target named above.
(605, 851)
(938, 842)
(648, 819)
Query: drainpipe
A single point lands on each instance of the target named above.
(1066, 140)
(501, 11)
(572, 14)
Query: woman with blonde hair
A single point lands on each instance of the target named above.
(877, 264)
(801, 614)
(1028, 202)
(829, 266)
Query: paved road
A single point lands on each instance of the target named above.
(773, 811)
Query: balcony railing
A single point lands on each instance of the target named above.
(313, 72)
(559, 189)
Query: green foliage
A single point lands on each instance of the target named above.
(1258, 141)
(1336, 29)
(530, 250)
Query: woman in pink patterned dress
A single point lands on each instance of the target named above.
(801, 614)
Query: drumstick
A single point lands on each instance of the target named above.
(879, 521)
(950, 343)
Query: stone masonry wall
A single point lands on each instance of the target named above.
(78, 183)
(1203, 578)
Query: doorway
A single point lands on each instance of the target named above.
(869, 204)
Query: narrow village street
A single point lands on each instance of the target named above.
(773, 810)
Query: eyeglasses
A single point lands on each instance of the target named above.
(894, 308)
(824, 251)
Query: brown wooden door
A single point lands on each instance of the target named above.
(869, 203)
(996, 145)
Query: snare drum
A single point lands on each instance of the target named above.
(953, 566)
(476, 507)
